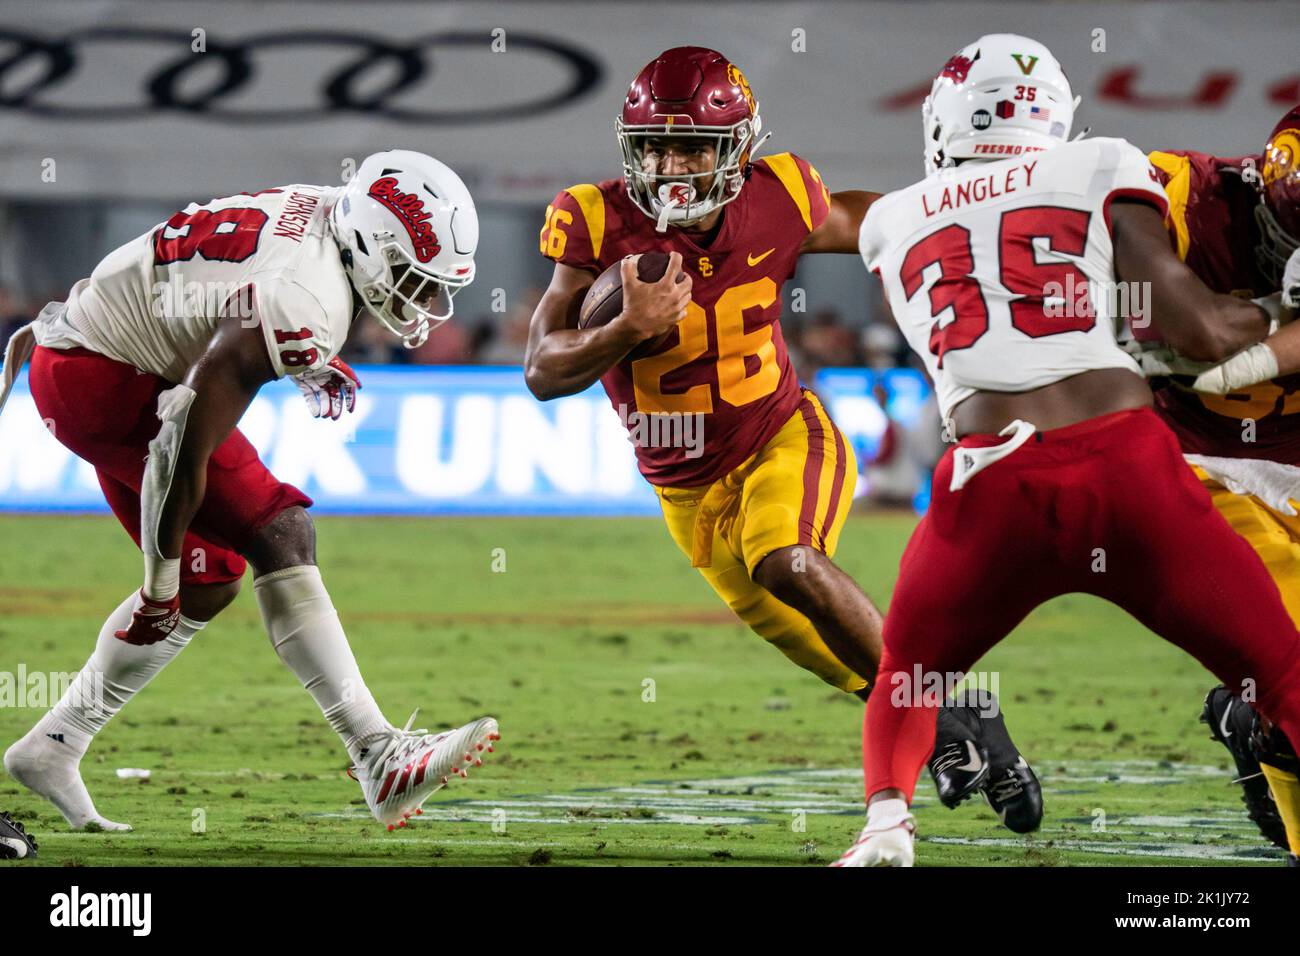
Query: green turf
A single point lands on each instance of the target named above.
(741, 758)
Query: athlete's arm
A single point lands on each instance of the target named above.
(1199, 324)
(197, 417)
(225, 380)
(839, 230)
(562, 359)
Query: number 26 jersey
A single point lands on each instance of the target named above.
(269, 257)
(1001, 274)
(727, 360)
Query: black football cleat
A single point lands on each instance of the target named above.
(1232, 723)
(15, 842)
(1012, 789)
(968, 732)
(959, 764)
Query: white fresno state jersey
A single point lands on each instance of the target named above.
(267, 257)
(1001, 274)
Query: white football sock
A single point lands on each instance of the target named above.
(47, 759)
(883, 814)
(305, 631)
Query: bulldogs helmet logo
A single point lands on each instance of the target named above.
(957, 68)
(410, 212)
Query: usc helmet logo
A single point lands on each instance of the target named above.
(736, 78)
(1281, 155)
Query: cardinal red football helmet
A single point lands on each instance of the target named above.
(688, 91)
(1278, 213)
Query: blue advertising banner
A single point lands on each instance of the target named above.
(440, 440)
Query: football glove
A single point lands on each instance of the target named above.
(1248, 367)
(152, 621)
(1291, 281)
(330, 390)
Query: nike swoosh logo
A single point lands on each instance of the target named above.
(755, 260)
(975, 761)
(1223, 722)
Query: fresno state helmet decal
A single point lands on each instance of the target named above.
(736, 78)
(957, 67)
(410, 212)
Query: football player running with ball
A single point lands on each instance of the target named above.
(159, 353)
(1063, 478)
(758, 505)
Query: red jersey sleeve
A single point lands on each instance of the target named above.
(804, 184)
(573, 232)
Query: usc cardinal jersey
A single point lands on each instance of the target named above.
(1212, 225)
(993, 270)
(727, 359)
(154, 303)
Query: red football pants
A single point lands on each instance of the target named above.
(1112, 492)
(105, 412)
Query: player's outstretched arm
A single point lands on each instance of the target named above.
(1196, 322)
(563, 359)
(1277, 356)
(197, 416)
(839, 231)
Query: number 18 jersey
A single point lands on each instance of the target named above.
(1001, 274)
(269, 257)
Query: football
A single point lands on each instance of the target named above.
(604, 300)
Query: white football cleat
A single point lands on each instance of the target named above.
(400, 772)
(47, 766)
(888, 845)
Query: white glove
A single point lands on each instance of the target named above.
(329, 390)
(1248, 367)
(1271, 482)
(1291, 281)
(1162, 360)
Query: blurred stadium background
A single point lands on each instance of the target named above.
(113, 114)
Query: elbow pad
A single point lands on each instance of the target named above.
(162, 575)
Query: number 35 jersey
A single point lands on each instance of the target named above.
(268, 257)
(727, 360)
(1001, 274)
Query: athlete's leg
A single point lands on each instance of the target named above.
(1221, 602)
(1275, 537)
(305, 631)
(840, 612)
(1214, 599)
(781, 625)
(102, 410)
(794, 505)
(397, 769)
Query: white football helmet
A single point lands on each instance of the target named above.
(1001, 96)
(405, 217)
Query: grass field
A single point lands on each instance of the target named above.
(740, 758)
